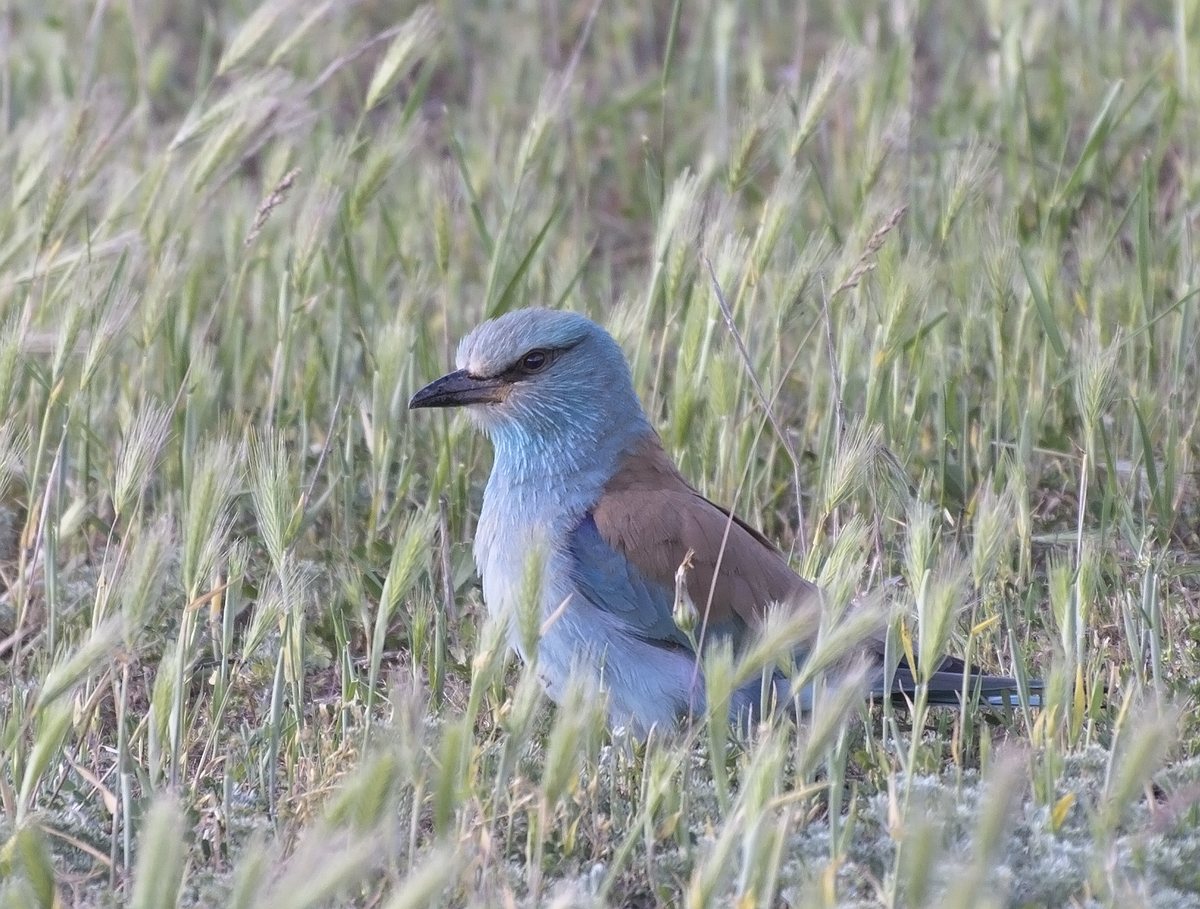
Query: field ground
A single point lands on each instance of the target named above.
(244, 657)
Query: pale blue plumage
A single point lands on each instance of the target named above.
(583, 499)
(550, 467)
(609, 581)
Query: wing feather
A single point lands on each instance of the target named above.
(649, 514)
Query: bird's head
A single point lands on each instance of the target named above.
(540, 375)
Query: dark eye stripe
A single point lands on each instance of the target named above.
(522, 369)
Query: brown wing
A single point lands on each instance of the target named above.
(650, 514)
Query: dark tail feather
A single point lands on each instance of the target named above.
(758, 697)
(946, 687)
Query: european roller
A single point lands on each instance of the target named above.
(580, 481)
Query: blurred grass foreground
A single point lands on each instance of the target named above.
(243, 655)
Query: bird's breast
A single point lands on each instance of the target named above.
(514, 546)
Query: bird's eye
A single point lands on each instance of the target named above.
(535, 361)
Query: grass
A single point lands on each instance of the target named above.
(245, 659)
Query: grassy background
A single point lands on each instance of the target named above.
(245, 660)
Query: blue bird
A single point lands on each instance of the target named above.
(581, 479)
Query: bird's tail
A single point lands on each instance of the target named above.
(954, 677)
(762, 696)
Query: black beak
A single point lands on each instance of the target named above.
(459, 388)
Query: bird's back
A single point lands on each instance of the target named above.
(649, 514)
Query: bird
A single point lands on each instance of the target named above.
(582, 488)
